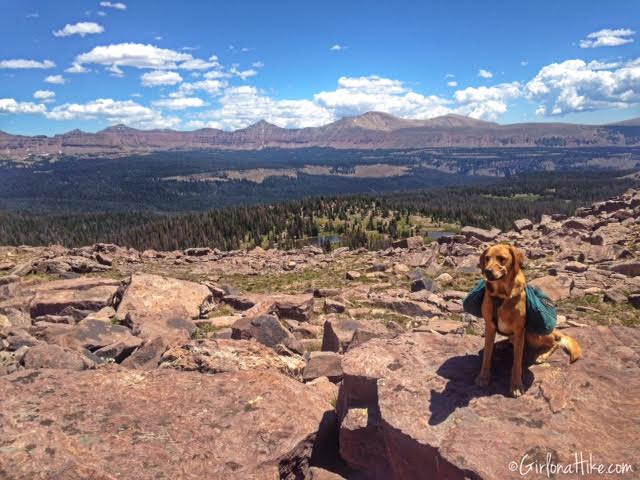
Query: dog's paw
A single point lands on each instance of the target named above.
(517, 390)
(482, 380)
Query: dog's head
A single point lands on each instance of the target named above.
(501, 261)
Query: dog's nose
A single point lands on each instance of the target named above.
(488, 273)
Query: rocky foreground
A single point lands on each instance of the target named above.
(119, 364)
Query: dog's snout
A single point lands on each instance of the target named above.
(488, 272)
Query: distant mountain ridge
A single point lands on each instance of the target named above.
(371, 130)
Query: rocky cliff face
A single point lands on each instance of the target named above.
(371, 130)
(116, 363)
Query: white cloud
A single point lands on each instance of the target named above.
(55, 79)
(45, 96)
(76, 68)
(160, 77)
(243, 74)
(10, 105)
(449, 75)
(485, 73)
(133, 55)
(357, 95)
(21, 63)
(608, 38)
(212, 87)
(199, 64)
(116, 5)
(244, 105)
(212, 75)
(524, 63)
(486, 102)
(80, 28)
(337, 47)
(452, 83)
(114, 111)
(179, 103)
(101, 13)
(575, 86)
(257, 64)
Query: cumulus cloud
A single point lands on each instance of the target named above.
(45, 96)
(10, 105)
(160, 77)
(199, 64)
(486, 102)
(357, 95)
(75, 68)
(243, 74)
(80, 28)
(452, 83)
(116, 5)
(485, 73)
(576, 86)
(55, 79)
(114, 111)
(244, 105)
(257, 64)
(179, 103)
(133, 55)
(608, 38)
(337, 47)
(212, 87)
(21, 63)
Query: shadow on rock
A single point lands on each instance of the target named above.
(461, 372)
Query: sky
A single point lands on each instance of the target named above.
(184, 65)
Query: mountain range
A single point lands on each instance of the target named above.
(371, 130)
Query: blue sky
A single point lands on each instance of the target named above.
(185, 65)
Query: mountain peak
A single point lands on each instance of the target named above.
(261, 125)
(374, 120)
(456, 120)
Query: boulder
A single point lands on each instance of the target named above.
(94, 335)
(161, 306)
(333, 306)
(54, 356)
(338, 333)
(523, 224)
(576, 267)
(480, 233)
(410, 408)
(198, 251)
(423, 283)
(265, 329)
(577, 223)
(81, 293)
(219, 356)
(556, 287)
(352, 275)
(634, 300)
(295, 307)
(630, 269)
(131, 425)
(323, 364)
(148, 355)
(410, 242)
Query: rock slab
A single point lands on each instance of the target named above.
(114, 423)
(410, 408)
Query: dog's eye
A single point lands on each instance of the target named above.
(502, 259)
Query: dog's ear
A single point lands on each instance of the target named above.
(518, 258)
(482, 258)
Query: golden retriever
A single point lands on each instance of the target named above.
(504, 310)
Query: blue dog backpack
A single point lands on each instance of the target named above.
(541, 312)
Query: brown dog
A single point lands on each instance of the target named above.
(504, 310)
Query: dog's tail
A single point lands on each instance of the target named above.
(569, 345)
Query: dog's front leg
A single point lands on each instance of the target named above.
(517, 388)
(484, 377)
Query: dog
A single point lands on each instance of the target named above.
(504, 309)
